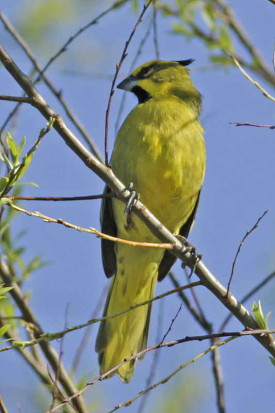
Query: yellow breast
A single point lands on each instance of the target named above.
(160, 149)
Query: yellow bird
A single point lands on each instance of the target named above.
(160, 150)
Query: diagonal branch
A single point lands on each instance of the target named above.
(232, 335)
(59, 334)
(90, 230)
(25, 47)
(256, 125)
(171, 375)
(180, 250)
(46, 348)
(260, 87)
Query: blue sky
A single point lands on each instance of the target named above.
(239, 186)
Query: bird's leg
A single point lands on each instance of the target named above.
(134, 196)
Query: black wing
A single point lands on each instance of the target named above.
(108, 226)
(169, 259)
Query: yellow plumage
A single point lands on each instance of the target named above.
(160, 150)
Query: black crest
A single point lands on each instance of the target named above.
(185, 62)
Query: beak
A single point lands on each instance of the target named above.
(128, 84)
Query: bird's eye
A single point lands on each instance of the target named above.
(145, 72)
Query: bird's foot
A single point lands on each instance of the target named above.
(133, 198)
(189, 248)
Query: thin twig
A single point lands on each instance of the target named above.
(60, 355)
(58, 198)
(166, 379)
(226, 16)
(84, 341)
(247, 296)
(196, 300)
(79, 32)
(54, 336)
(258, 64)
(199, 316)
(260, 87)
(17, 170)
(89, 230)
(218, 375)
(171, 324)
(118, 66)
(203, 323)
(240, 246)
(256, 125)
(56, 92)
(3, 408)
(133, 64)
(231, 335)
(20, 99)
(155, 361)
(155, 31)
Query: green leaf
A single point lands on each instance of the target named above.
(3, 201)
(4, 290)
(12, 147)
(135, 6)
(26, 161)
(272, 359)
(208, 14)
(179, 29)
(259, 316)
(3, 182)
(225, 41)
(26, 183)
(4, 329)
(221, 59)
(5, 159)
(51, 121)
(22, 145)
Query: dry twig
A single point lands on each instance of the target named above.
(240, 246)
(118, 66)
(256, 125)
(260, 87)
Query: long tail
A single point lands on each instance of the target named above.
(125, 335)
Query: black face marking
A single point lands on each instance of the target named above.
(185, 62)
(141, 94)
(144, 72)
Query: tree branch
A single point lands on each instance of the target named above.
(46, 348)
(252, 124)
(59, 334)
(260, 87)
(159, 230)
(94, 231)
(231, 335)
(25, 47)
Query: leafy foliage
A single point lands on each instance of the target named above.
(16, 169)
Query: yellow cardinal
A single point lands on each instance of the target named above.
(160, 150)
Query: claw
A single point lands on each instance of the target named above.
(134, 196)
(189, 248)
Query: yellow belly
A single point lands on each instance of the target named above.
(164, 157)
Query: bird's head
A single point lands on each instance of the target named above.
(161, 79)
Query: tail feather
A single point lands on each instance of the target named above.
(122, 336)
